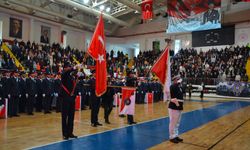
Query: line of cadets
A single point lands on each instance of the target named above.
(41, 91)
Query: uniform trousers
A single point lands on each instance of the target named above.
(174, 122)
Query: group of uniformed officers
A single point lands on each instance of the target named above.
(41, 91)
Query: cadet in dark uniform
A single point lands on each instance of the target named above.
(47, 92)
(57, 85)
(95, 102)
(130, 82)
(39, 99)
(175, 108)
(6, 90)
(31, 92)
(68, 101)
(107, 101)
(14, 92)
(22, 94)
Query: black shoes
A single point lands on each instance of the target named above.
(179, 139)
(96, 124)
(176, 140)
(93, 124)
(106, 121)
(130, 123)
(73, 136)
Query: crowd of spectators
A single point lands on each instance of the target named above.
(228, 63)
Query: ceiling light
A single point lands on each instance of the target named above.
(102, 7)
(85, 1)
(108, 9)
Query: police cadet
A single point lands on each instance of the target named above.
(57, 85)
(95, 102)
(14, 94)
(39, 99)
(47, 91)
(107, 101)
(175, 108)
(68, 101)
(6, 90)
(22, 94)
(31, 92)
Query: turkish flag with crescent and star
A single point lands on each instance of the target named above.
(98, 52)
(128, 101)
(147, 9)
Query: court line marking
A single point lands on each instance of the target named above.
(224, 137)
(114, 129)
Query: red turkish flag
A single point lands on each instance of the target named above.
(147, 9)
(162, 70)
(98, 52)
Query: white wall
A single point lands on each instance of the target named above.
(6, 24)
(1, 30)
(31, 30)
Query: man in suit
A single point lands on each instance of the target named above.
(15, 28)
(68, 101)
(211, 15)
(44, 38)
(175, 108)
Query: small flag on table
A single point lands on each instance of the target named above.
(149, 98)
(78, 103)
(3, 108)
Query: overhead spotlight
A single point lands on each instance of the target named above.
(75, 9)
(108, 9)
(102, 7)
(85, 1)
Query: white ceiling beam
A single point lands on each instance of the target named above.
(99, 3)
(26, 5)
(130, 4)
(94, 12)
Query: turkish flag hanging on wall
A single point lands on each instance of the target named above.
(147, 9)
(98, 52)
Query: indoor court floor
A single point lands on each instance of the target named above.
(213, 123)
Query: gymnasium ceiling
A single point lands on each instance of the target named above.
(84, 14)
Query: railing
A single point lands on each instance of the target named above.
(206, 81)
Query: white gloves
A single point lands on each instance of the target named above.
(27, 95)
(79, 93)
(43, 95)
(8, 95)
